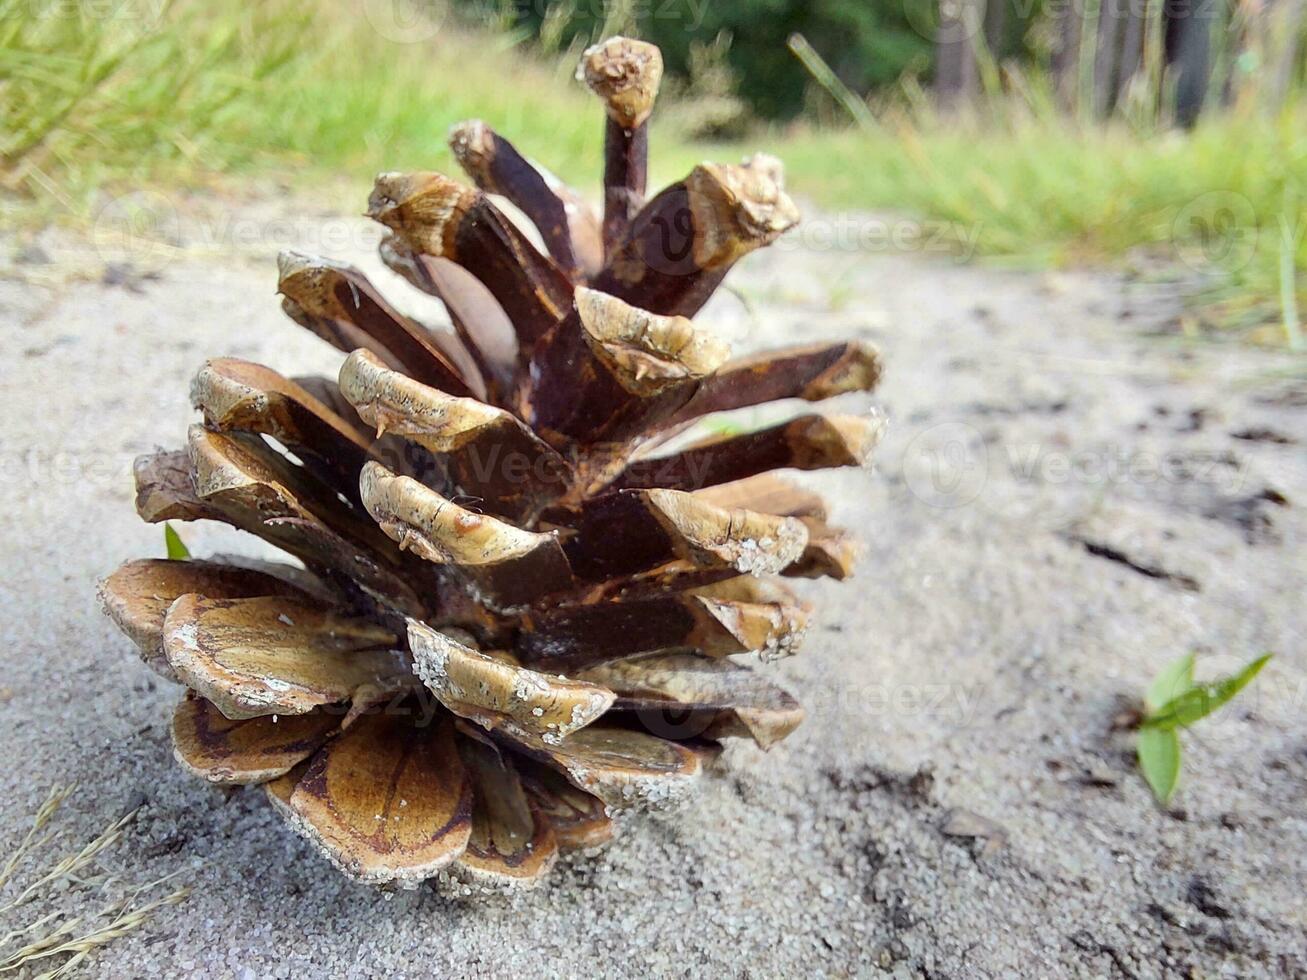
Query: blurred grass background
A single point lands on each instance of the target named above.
(98, 95)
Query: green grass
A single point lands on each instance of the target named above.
(1229, 200)
(193, 90)
(273, 87)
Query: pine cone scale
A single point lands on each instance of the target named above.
(810, 442)
(339, 304)
(138, 595)
(526, 701)
(512, 840)
(484, 450)
(273, 656)
(386, 801)
(566, 223)
(240, 752)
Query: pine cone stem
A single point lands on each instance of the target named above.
(625, 74)
(626, 172)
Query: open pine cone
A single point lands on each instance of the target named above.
(481, 516)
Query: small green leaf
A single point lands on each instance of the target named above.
(1176, 678)
(177, 550)
(1202, 699)
(1159, 760)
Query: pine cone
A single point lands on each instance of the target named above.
(480, 516)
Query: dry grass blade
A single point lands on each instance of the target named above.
(827, 79)
(30, 842)
(79, 935)
(123, 919)
(73, 863)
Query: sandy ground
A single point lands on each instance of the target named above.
(1068, 499)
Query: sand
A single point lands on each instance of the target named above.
(1069, 497)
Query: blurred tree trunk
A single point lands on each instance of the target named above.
(956, 76)
(1188, 49)
(1132, 47)
(996, 21)
(1111, 20)
(1066, 59)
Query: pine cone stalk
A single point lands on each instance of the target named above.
(511, 615)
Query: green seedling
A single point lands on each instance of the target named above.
(1174, 701)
